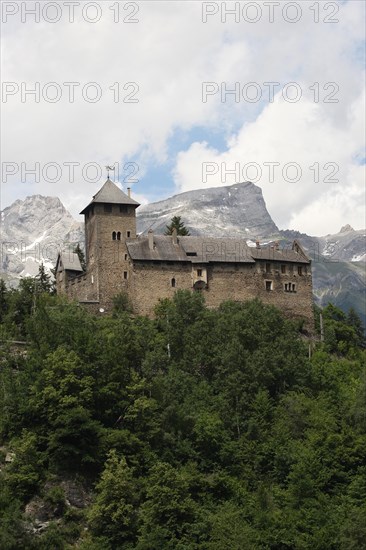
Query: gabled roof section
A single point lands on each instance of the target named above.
(194, 250)
(68, 261)
(197, 250)
(295, 254)
(111, 194)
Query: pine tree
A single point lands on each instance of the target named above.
(77, 250)
(4, 306)
(355, 322)
(176, 223)
(44, 283)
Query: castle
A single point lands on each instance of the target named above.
(150, 267)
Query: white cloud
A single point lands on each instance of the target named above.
(303, 133)
(169, 53)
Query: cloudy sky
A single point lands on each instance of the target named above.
(184, 95)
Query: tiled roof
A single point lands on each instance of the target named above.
(69, 261)
(279, 255)
(111, 194)
(190, 249)
(205, 250)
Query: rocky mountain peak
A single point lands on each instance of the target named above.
(238, 210)
(346, 228)
(32, 231)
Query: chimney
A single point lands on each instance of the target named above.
(276, 245)
(150, 236)
(129, 191)
(175, 236)
(257, 244)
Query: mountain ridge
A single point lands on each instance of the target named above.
(35, 228)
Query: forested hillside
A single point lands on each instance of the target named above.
(201, 429)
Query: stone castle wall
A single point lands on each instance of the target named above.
(238, 282)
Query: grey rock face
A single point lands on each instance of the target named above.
(32, 231)
(238, 210)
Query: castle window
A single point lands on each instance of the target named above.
(283, 269)
(128, 234)
(123, 208)
(289, 287)
(299, 270)
(268, 285)
(107, 208)
(268, 267)
(118, 236)
(173, 283)
(199, 272)
(125, 275)
(191, 253)
(125, 256)
(114, 236)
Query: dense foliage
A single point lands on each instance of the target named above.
(177, 224)
(201, 429)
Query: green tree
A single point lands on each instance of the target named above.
(78, 250)
(4, 300)
(121, 304)
(178, 224)
(114, 512)
(354, 321)
(43, 279)
(24, 473)
(169, 513)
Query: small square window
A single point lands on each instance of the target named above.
(125, 275)
(283, 269)
(268, 285)
(299, 269)
(268, 267)
(107, 208)
(128, 234)
(125, 256)
(199, 272)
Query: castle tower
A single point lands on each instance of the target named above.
(110, 220)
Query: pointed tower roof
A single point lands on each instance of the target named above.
(110, 194)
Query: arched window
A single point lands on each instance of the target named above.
(118, 236)
(114, 236)
(173, 283)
